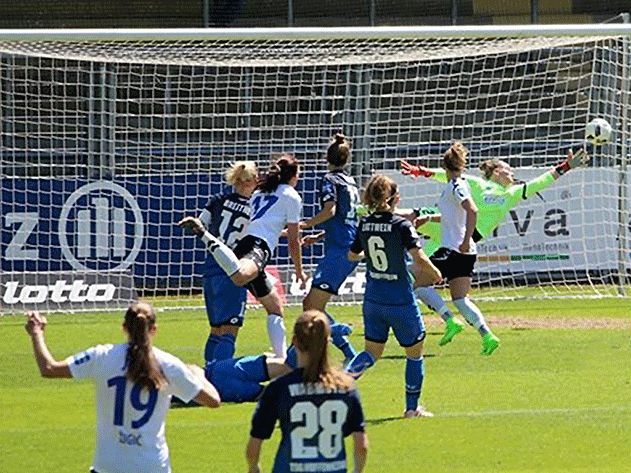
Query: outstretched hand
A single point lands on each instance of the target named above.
(35, 322)
(578, 159)
(408, 169)
(193, 224)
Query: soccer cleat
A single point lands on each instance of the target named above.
(490, 343)
(418, 412)
(454, 327)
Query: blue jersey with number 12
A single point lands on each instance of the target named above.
(314, 421)
(385, 239)
(225, 216)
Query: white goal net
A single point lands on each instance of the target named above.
(107, 143)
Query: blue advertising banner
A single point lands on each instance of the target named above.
(125, 224)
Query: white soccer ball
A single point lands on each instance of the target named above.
(598, 132)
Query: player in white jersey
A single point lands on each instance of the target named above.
(458, 253)
(134, 384)
(274, 205)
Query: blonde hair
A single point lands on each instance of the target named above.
(142, 366)
(455, 158)
(241, 171)
(311, 335)
(380, 193)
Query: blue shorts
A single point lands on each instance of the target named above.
(405, 320)
(225, 302)
(333, 269)
(238, 379)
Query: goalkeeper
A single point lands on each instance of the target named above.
(494, 195)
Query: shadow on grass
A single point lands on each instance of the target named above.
(383, 420)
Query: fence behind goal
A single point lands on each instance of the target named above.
(110, 137)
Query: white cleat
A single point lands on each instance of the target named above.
(418, 412)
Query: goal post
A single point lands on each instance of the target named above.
(109, 137)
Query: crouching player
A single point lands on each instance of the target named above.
(385, 239)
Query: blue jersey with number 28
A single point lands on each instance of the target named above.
(314, 421)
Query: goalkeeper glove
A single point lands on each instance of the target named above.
(408, 169)
(572, 161)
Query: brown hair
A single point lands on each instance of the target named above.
(455, 158)
(311, 335)
(487, 167)
(241, 171)
(142, 366)
(281, 172)
(380, 193)
(339, 151)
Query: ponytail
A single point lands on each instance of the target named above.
(281, 172)
(311, 336)
(339, 151)
(142, 366)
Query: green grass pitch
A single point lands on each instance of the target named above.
(556, 396)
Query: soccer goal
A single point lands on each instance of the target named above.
(110, 137)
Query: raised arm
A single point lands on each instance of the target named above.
(48, 366)
(408, 169)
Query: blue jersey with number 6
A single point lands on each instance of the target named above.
(385, 239)
(314, 421)
(225, 216)
(130, 419)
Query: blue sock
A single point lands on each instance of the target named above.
(414, 375)
(342, 343)
(360, 363)
(339, 338)
(292, 357)
(211, 345)
(225, 347)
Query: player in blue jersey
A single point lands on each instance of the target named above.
(316, 405)
(226, 216)
(239, 379)
(385, 239)
(275, 205)
(339, 198)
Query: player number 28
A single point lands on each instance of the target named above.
(324, 421)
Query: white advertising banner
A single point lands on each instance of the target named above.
(572, 225)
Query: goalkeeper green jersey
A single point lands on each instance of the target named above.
(493, 201)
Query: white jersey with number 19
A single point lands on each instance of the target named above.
(130, 419)
(272, 211)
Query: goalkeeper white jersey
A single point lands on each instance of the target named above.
(130, 419)
(272, 211)
(453, 217)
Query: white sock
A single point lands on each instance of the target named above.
(224, 256)
(472, 314)
(276, 333)
(430, 297)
